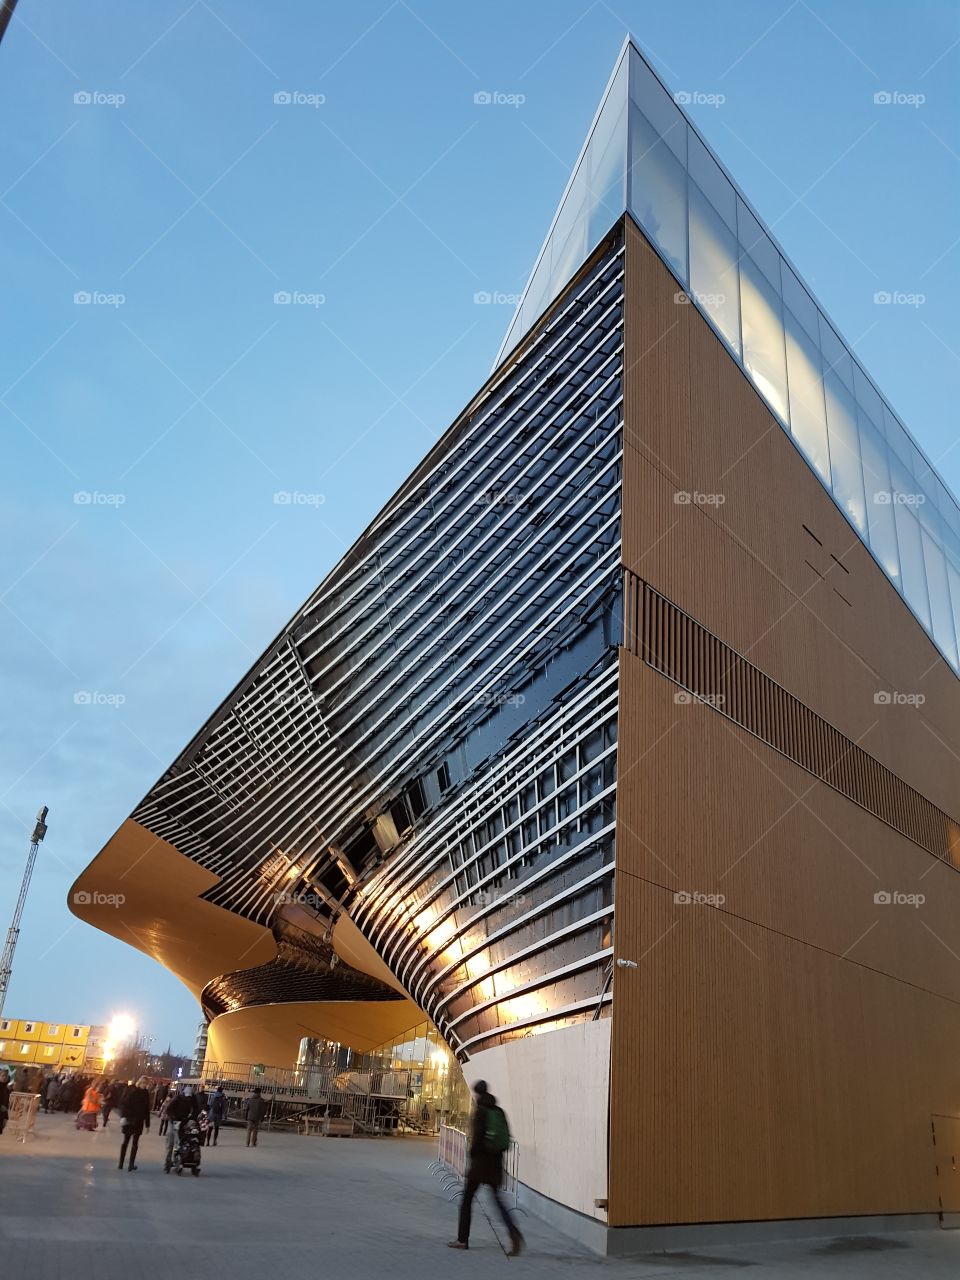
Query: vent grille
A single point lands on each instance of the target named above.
(678, 647)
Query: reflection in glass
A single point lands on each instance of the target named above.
(797, 300)
(941, 613)
(953, 577)
(911, 558)
(836, 357)
(808, 420)
(658, 192)
(713, 267)
(763, 343)
(845, 451)
(712, 181)
(656, 104)
(881, 523)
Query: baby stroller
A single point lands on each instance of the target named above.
(186, 1150)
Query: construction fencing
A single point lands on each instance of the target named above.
(22, 1115)
(450, 1166)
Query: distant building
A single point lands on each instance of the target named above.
(60, 1045)
(200, 1049)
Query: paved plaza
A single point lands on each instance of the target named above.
(315, 1207)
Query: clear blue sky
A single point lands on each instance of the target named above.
(397, 199)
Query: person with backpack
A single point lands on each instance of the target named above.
(489, 1142)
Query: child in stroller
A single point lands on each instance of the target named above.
(186, 1149)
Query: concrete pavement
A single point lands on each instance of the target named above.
(312, 1207)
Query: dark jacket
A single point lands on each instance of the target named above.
(135, 1110)
(256, 1108)
(217, 1106)
(183, 1108)
(4, 1094)
(485, 1166)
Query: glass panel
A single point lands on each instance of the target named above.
(836, 357)
(898, 439)
(911, 551)
(808, 420)
(881, 523)
(953, 577)
(713, 267)
(868, 398)
(845, 451)
(797, 300)
(658, 106)
(758, 244)
(941, 612)
(608, 169)
(712, 181)
(763, 343)
(658, 192)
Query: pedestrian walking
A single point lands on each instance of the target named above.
(183, 1106)
(216, 1113)
(489, 1140)
(53, 1093)
(164, 1114)
(90, 1107)
(134, 1117)
(4, 1099)
(111, 1096)
(255, 1111)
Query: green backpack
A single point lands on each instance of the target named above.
(497, 1132)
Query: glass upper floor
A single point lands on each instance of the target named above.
(644, 156)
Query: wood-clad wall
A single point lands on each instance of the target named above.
(782, 1054)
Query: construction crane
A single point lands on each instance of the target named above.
(13, 933)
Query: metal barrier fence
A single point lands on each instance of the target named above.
(22, 1115)
(450, 1166)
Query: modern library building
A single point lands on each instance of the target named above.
(619, 755)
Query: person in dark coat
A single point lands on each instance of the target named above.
(182, 1108)
(216, 1113)
(255, 1110)
(484, 1168)
(4, 1099)
(134, 1117)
